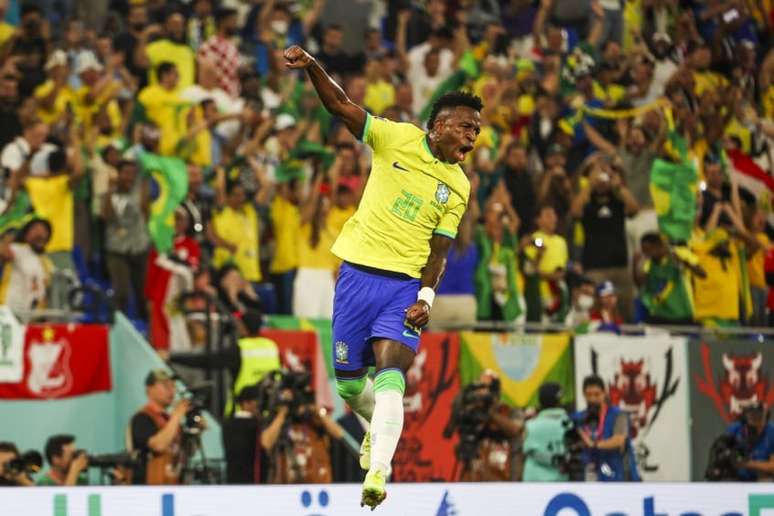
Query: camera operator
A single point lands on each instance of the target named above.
(246, 461)
(156, 434)
(298, 438)
(754, 436)
(67, 465)
(487, 430)
(608, 455)
(544, 438)
(11, 476)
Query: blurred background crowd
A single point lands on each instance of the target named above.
(154, 149)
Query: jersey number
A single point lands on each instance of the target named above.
(407, 206)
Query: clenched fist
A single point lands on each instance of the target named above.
(297, 58)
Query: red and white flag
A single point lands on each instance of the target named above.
(751, 176)
(58, 361)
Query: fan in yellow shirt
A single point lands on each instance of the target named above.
(98, 93)
(165, 108)
(394, 248)
(234, 230)
(54, 95)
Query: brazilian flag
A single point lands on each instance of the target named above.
(18, 213)
(171, 175)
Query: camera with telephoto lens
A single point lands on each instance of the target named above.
(571, 461)
(470, 416)
(727, 455)
(299, 383)
(199, 397)
(29, 463)
(110, 460)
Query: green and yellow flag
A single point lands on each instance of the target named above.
(172, 177)
(523, 362)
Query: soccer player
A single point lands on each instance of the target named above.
(394, 251)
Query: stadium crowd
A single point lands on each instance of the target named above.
(623, 171)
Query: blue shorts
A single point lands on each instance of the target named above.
(369, 306)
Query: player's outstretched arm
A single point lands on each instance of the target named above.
(333, 97)
(418, 314)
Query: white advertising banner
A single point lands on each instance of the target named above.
(648, 378)
(496, 499)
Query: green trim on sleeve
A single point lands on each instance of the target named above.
(447, 234)
(366, 127)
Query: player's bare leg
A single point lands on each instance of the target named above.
(393, 359)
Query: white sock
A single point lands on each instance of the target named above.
(386, 427)
(363, 403)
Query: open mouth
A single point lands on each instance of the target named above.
(460, 153)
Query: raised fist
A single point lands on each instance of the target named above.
(297, 58)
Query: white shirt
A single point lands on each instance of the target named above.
(422, 84)
(28, 279)
(225, 103)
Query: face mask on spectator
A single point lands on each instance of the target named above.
(585, 302)
(279, 26)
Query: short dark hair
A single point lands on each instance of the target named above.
(8, 447)
(164, 68)
(22, 235)
(55, 444)
(334, 26)
(223, 14)
(453, 99)
(593, 381)
(125, 163)
(253, 320)
(57, 160)
(652, 238)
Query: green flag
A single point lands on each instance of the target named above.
(673, 188)
(18, 213)
(172, 177)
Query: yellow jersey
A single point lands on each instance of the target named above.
(410, 195)
(319, 257)
(239, 227)
(53, 200)
(286, 220)
(179, 54)
(169, 112)
(64, 98)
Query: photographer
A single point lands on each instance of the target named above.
(298, 438)
(608, 455)
(753, 436)
(544, 438)
(156, 434)
(68, 466)
(487, 432)
(246, 462)
(11, 475)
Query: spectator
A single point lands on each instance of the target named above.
(554, 186)
(286, 224)
(55, 95)
(317, 265)
(663, 277)
(380, 92)
(331, 55)
(169, 276)
(547, 255)
(222, 52)
(16, 157)
(602, 208)
(519, 182)
(168, 45)
(27, 268)
(67, 466)
(757, 433)
(455, 301)
(583, 299)
(125, 209)
(608, 454)
(202, 25)
(127, 42)
(498, 295)
(155, 434)
(606, 315)
(164, 106)
(756, 269)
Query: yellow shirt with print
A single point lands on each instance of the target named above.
(285, 220)
(179, 54)
(320, 256)
(410, 195)
(239, 227)
(53, 200)
(65, 97)
(612, 93)
(379, 96)
(717, 295)
(167, 110)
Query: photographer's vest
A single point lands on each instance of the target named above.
(259, 355)
(162, 468)
(622, 464)
(545, 442)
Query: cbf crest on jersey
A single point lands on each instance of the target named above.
(342, 352)
(442, 193)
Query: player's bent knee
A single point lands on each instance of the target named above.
(348, 388)
(390, 380)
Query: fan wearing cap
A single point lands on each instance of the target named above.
(97, 93)
(155, 433)
(55, 95)
(544, 437)
(27, 270)
(394, 248)
(606, 315)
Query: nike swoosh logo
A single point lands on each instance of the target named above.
(410, 335)
(397, 165)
